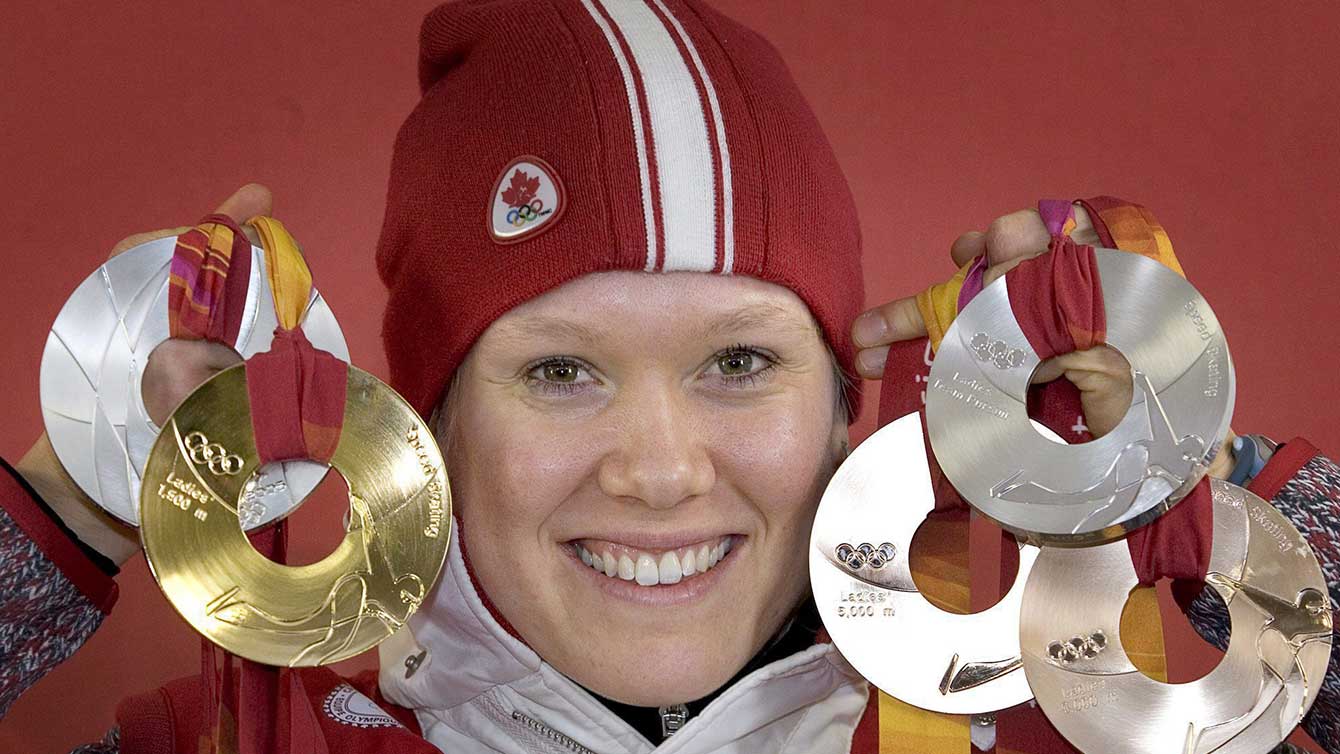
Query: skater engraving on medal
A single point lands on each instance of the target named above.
(961, 677)
(352, 600)
(1162, 456)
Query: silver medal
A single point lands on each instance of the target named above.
(891, 634)
(1281, 621)
(93, 364)
(1058, 494)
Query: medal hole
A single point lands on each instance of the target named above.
(1187, 655)
(1106, 370)
(939, 561)
(176, 367)
(317, 526)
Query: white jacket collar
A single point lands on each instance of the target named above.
(475, 684)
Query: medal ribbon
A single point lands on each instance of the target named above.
(1057, 299)
(297, 397)
(208, 280)
(1180, 548)
(296, 390)
(939, 304)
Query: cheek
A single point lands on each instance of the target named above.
(510, 474)
(780, 459)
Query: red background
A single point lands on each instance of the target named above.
(122, 117)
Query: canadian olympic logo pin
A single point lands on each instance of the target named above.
(527, 198)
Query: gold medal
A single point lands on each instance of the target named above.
(399, 521)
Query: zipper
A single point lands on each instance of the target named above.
(550, 733)
(673, 718)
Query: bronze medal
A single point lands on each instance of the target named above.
(1265, 572)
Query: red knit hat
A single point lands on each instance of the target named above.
(561, 138)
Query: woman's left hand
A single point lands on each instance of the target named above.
(1102, 374)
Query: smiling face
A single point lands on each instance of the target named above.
(636, 460)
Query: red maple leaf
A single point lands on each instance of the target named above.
(522, 189)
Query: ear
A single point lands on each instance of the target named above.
(840, 441)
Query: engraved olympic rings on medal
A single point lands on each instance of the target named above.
(1281, 642)
(865, 553)
(94, 361)
(211, 455)
(1077, 647)
(891, 634)
(395, 545)
(1052, 493)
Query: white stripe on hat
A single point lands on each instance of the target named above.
(639, 138)
(679, 140)
(727, 201)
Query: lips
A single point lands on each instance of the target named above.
(651, 567)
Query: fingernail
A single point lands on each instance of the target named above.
(870, 329)
(871, 361)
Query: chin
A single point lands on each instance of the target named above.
(662, 676)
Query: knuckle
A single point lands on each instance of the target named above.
(1015, 233)
(905, 318)
(968, 237)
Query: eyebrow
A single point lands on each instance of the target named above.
(541, 327)
(751, 317)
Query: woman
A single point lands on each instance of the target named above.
(642, 384)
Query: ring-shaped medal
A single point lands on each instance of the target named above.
(862, 582)
(1281, 642)
(1056, 494)
(398, 530)
(94, 362)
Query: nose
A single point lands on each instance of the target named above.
(660, 457)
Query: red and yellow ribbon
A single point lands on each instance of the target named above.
(297, 396)
(939, 305)
(296, 391)
(208, 279)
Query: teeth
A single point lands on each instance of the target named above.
(646, 570)
(649, 569)
(670, 569)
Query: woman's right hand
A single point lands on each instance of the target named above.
(175, 368)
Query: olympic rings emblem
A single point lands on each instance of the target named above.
(212, 455)
(519, 216)
(854, 557)
(1088, 647)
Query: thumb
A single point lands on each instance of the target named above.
(245, 203)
